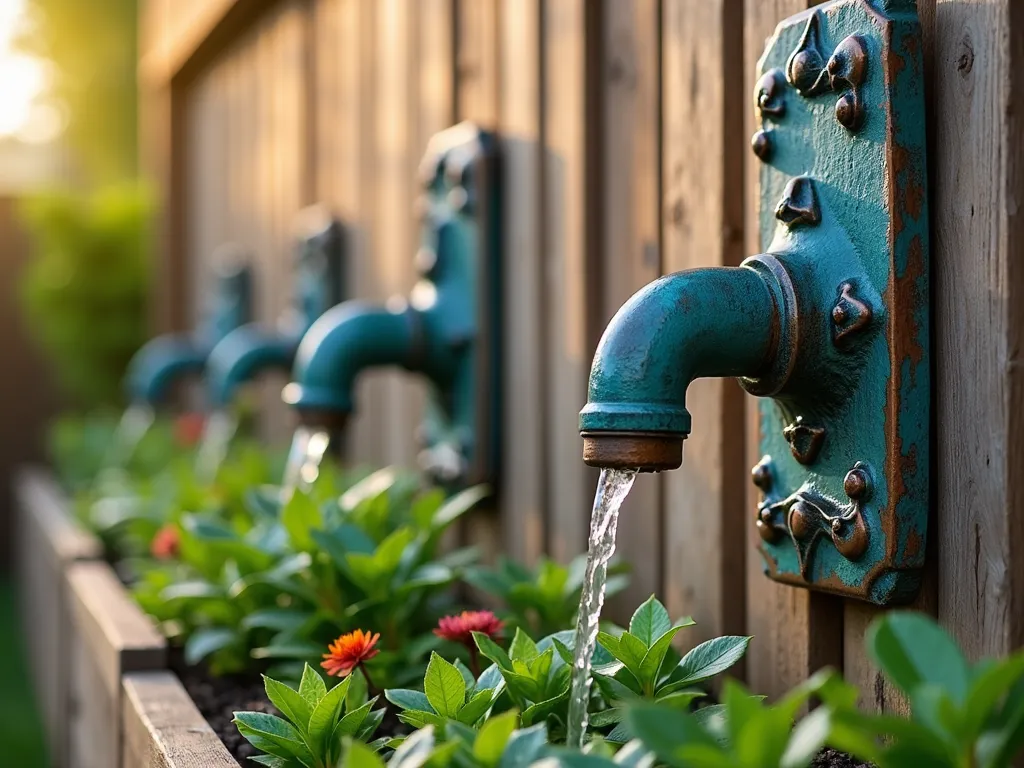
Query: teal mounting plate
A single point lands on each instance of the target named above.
(459, 298)
(844, 478)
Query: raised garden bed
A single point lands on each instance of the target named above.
(48, 541)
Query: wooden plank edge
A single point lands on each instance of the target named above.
(41, 501)
(161, 725)
(113, 629)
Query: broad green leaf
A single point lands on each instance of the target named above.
(458, 505)
(295, 649)
(989, 688)
(650, 621)
(494, 735)
(360, 756)
(414, 750)
(912, 649)
(492, 650)
(614, 690)
(291, 704)
(609, 642)
(371, 724)
(350, 724)
(424, 506)
(650, 667)
(325, 716)
(807, 739)
(524, 747)
(635, 755)
(665, 731)
(281, 619)
(444, 686)
(420, 719)
(522, 648)
(708, 659)
(490, 678)
(631, 653)
(272, 761)
(539, 711)
(467, 675)
(403, 698)
(607, 717)
(300, 516)
(475, 708)
(203, 642)
(276, 731)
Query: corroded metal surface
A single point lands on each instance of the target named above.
(852, 518)
(829, 325)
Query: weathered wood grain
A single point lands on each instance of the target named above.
(524, 453)
(979, 322)
(571, 174)
(110, 637)
(48, 542)
(795, 631)
(163, 729)
(630, 247)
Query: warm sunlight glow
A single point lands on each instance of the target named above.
(23, 81)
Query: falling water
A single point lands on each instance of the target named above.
(612, 488)
(304, 458)
(135, 422)
(218, 431)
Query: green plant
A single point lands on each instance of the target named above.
(450, 693)
(542, 600)
(85, 291)
(498, 744)
(638, 661)
(964, 715)
(317, 723)
(742, 731)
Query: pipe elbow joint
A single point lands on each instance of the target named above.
(344, 341)
(159, 363)
(241, 356)
(721, 322)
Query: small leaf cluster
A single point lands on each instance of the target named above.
(638, 669)
(317, 724)
(449, 694)
(542, 600)
(964, 715)
(498, 744)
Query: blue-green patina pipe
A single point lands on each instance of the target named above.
(252, 349)
(169, 358)
(688, 325)
(356, 336)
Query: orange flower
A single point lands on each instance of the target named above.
(188, 429)
(460, 629)
(349, 651)
(166, 544)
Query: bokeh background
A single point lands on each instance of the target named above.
(74, 254)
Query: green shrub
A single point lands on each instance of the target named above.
(84, 292)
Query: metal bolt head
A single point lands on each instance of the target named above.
(761, 143)
(847, 113)
(761, 474)
(800, 520)
(856, 484)
(839, 314)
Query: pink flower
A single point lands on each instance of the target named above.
(460, 629)
(166, 544)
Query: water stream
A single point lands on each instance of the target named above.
(309, 445)
(612, 488)
(133, 426)
(213, 448)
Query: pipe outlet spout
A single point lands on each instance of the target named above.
(349, 339)
(160, 362)
(242, 355)
(698, 323)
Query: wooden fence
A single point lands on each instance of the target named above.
(626, 126)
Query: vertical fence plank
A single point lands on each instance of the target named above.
(477, 61)
(570, 175)
(630, 76)
(524, 459)
(978, 323)
(795, 631)
(704, 553)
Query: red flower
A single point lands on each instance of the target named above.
(349, 651)
(460, 629)
(166, 544)
(188, 429)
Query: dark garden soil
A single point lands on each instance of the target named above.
(218, 698)
(829, 758)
